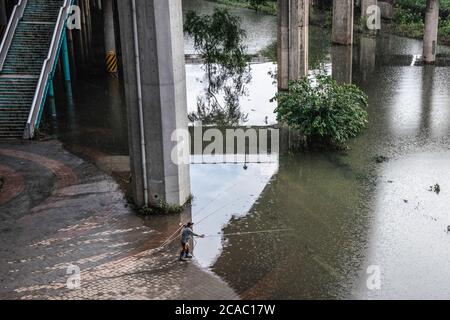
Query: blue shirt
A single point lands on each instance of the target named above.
(186, 235)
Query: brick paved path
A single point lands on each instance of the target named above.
(56, 210)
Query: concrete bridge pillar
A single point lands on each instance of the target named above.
(283, 44)
(151, 33)
(110, 36)
(3, 18)
(299, 39)
(431, 31)
(293, 28)
(342, 32)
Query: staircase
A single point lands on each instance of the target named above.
(20, 73)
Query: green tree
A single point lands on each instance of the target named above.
(325, 112)
(255, 4)
(219, 39)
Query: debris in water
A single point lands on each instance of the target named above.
(448, 229)
(405, 201)
(436, 188)
(381, 159)
(390, 181)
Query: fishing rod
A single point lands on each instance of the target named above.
(248, 232)
(168, 241)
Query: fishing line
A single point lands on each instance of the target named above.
(168, 241)
(171, 238)
(247, 233)
(215, 198)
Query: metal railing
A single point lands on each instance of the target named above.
(47, 70)
(16, 15)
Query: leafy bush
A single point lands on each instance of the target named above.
(255, 4)
(407, 16)
(218, 38)
(325, 112)
(164, 208)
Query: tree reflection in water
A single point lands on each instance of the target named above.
(220, 103)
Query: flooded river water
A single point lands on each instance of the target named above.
(354, 226)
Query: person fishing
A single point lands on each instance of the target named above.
(185, 237)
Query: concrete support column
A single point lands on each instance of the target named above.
(65, 59)
(431, 31)
(88, 21)
(343, 22)
(84, 29)
(151, 33)
(283, 44)
(298, 40)
(3, 18)
(110, 36)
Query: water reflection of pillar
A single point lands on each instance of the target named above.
(431, 31)
(427, 99)
(367, 55)
(289, 139)
(342, 63)
(118, 119)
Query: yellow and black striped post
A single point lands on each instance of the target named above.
(111, 62)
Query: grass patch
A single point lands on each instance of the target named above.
(163, 208)
(409, 20)
(268, 8)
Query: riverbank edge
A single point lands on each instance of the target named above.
(319, 18)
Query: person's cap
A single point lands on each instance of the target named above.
(190, 224)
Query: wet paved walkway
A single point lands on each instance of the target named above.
(57, 210)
